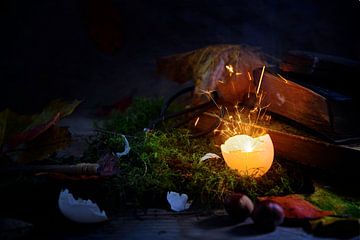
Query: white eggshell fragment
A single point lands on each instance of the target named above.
(209, 156)
(126, 148)
(178, 202)
(79, 210)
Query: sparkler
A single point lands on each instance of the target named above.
(260, 81)
(247, 149)
(241, 120)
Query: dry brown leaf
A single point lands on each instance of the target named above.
(228, 69)
(296, 207)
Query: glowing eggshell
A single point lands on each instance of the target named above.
(79, 210)
(248, 155)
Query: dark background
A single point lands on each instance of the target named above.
(47, 50)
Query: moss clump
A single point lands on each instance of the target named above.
(162, 161)
(328, 200)
(136, 117)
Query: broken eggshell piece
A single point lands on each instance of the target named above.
(209, 156)
(126, 148)
(178, 202)
(79, 210)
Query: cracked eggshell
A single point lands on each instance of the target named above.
(178, 202)
(126, 148)
(79, 210)
(209, 156)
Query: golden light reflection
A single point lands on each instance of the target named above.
(246, 146)
(247, 155)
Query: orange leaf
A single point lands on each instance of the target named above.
(295, 207)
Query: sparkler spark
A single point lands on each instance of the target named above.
(241, 120)
(249, 76)
(230, 68)
(260, 81)
(197, 120)
(285, 80)
(208, 93)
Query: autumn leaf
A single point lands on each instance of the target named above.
(227, 69)
(31, 133)
(16, 129)
(296, 207)
(335, 227)
(63, 107)
(10, 124)
(57, 106)
(54, 139)
(34, 137)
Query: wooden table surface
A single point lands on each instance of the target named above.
(163, 224)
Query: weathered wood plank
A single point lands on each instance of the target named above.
(336, 73)
(334, 159)
(324, 111)
(296, 145)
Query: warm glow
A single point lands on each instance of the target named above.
(247, 149)
(248, 155)
(230, 68)
(196, 122)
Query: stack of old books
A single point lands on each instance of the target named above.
(318, 94)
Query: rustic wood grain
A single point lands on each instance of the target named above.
(329, 113)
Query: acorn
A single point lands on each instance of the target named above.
(267, 215)
(238, 206)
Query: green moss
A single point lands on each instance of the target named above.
(136, 117)
(328, 200)
(162, 161)
(166, 160)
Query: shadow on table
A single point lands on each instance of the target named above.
(216, 222)
(248, 229)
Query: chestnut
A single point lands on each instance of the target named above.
(238, 206)
(267, 215)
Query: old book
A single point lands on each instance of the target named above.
(327, 112)
(332, 72)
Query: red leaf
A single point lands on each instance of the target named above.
(296, 207)
(32, 133)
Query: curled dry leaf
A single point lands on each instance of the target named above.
(26, 130)
(296, 207)
(227, 69)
